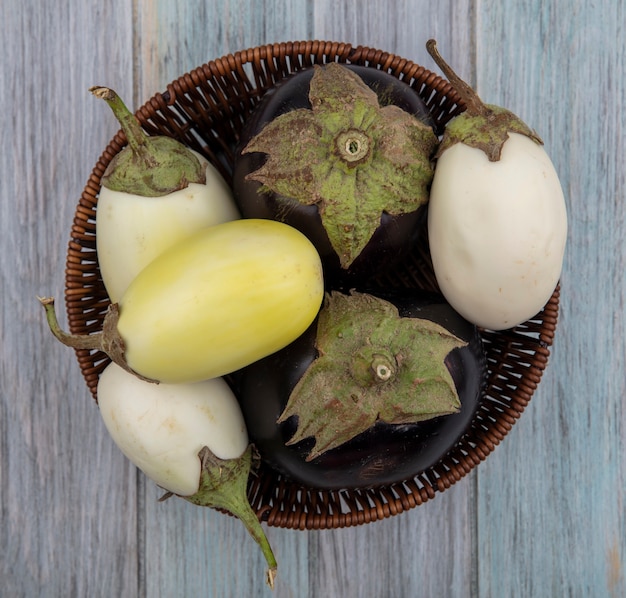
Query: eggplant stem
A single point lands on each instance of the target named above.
(76, 341)
(473, 104)
(135, 135)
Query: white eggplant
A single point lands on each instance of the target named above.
(154, 193)
(497, 231)
(497, 220)
(161, 428)
(190, 439)
(132, 229)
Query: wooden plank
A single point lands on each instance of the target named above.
(175, 37)
(67, 496)
(402, 28)
(551, 516)
(426, 551)
(191, 551)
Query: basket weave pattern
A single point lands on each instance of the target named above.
(206, 109)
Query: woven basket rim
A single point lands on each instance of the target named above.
(225, 88)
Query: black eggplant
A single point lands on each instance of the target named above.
(383, 452)
(356, 188)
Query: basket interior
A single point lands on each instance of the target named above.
(206, 109)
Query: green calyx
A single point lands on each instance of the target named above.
(487, 131)
(223, 485)
(373, 365)
(148, 166)
(482, 126)
(348, 155)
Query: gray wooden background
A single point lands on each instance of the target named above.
(544, 515)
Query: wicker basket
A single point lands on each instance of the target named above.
(205, 109)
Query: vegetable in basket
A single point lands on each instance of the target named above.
(497, 221)
(228, 295)
(155, 192)
(342, 153)
(190, 439)
(378, 389)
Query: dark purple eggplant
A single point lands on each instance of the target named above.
(395, 232)
(385, 452)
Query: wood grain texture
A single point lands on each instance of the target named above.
(403, 29)
(543, 516)
(175, 37)
(69, 518)
(551, 503)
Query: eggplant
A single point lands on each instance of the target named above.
(406, 181)
(382, 454)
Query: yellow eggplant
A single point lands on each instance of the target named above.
(217, 301)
